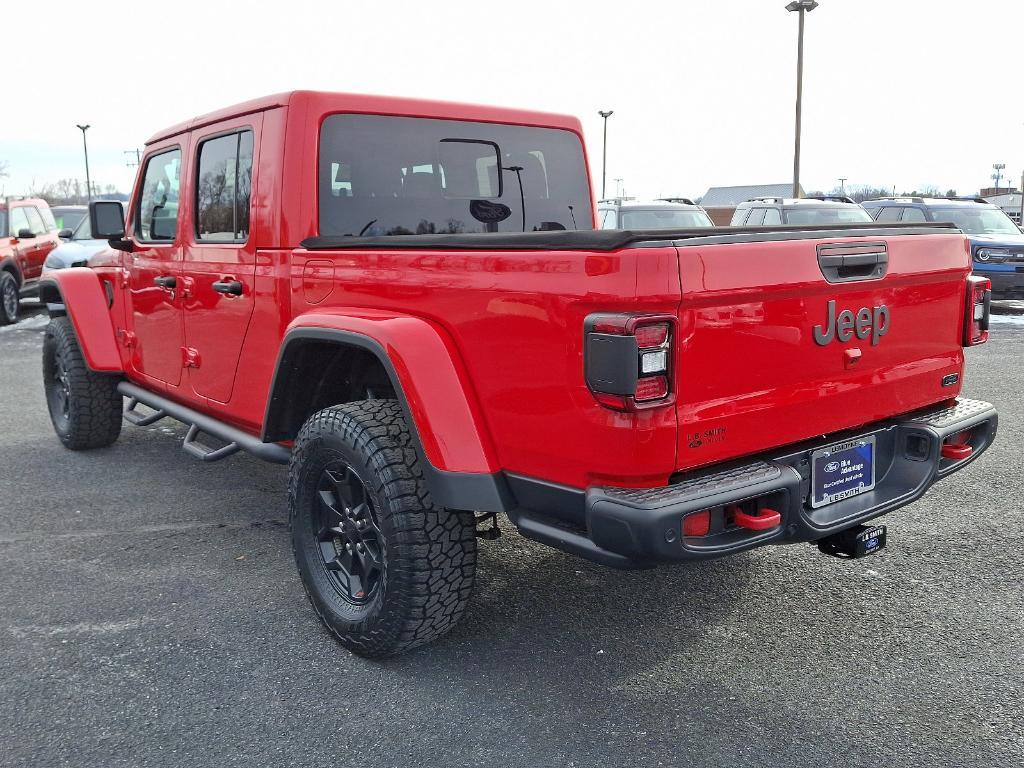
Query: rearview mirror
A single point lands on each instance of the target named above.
(65, 234)
(106, 218)
(25, 234)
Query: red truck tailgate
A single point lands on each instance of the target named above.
(751, 371)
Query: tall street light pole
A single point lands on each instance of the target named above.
(85, 146)
(802, 7)
(604, 150)
(842, 185)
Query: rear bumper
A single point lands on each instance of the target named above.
(636, 528)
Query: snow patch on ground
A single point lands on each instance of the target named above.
(30, 323)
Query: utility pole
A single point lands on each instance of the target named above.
(803, 7)
(842, 185)
(85, 147)
(620, 188)
(138, 158)
(604, 149)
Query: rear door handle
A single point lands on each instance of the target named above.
(166, 281)
(231, 287)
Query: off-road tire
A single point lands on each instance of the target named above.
(428, 553)
(9, 310)
(85, 406)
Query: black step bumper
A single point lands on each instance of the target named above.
(638, 527)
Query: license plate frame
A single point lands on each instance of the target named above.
(829, 484)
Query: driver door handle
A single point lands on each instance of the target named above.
(166, 281)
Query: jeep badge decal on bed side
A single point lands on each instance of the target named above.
(873, 321)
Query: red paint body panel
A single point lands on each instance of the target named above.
(86, 302)
(751, 376)
(489, 345)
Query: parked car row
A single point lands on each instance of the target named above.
(997, 244)
(40, 238)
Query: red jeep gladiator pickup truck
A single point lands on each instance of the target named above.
(408, 303)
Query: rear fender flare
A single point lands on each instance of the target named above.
(431, 383)
(83, 298)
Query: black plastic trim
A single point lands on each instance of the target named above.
(272, 452)
(477, 491)
(614, 239)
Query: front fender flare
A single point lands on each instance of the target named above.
(431, 382)
(80, 291)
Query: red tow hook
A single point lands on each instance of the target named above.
(956, 451)
(765, 519)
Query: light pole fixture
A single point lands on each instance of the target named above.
(85, 147)
(604, 149)
(842, 185)
(802, 7)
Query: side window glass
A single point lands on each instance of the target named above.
(913, 214)
(889, 215)
(610, 219)
(19, 221)
(157, 209)
(755, 217)
(35, 221)
(224, 188)
(772, 216)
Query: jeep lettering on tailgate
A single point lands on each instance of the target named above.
(868, 321)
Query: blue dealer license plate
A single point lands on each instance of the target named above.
(842, 470)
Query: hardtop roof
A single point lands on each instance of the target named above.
(326, 101)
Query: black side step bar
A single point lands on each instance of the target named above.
(198, 424)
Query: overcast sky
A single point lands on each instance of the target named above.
(896, 92)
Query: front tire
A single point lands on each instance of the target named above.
(85, 406)
(385, 569)
(10, 300)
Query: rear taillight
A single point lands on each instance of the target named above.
(628, 360)
(979, 300)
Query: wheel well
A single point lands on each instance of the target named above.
(9, 267)
(314, 374)
(49, 293)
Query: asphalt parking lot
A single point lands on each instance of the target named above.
(151, 614)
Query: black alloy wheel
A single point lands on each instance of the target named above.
(351, 545)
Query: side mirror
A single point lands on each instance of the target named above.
(25, 234)
(65, 234)
(106, 218)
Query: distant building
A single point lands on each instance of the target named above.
(1009, 201)
(720, 202)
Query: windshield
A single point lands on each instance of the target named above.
(3, 223)
(382, 175)
(66, 219)
(662, 218)
(852, 214)
(83, 231)
(977, 221)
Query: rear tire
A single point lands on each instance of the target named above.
(85, 406)
(10, 300)
(385, 569)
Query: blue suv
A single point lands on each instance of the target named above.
(997, 244)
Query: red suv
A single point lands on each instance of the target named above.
(27, 235)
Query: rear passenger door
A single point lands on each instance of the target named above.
(220, 253)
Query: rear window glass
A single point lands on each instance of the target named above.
(837, 215)
(664, 219)
(411, 176)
